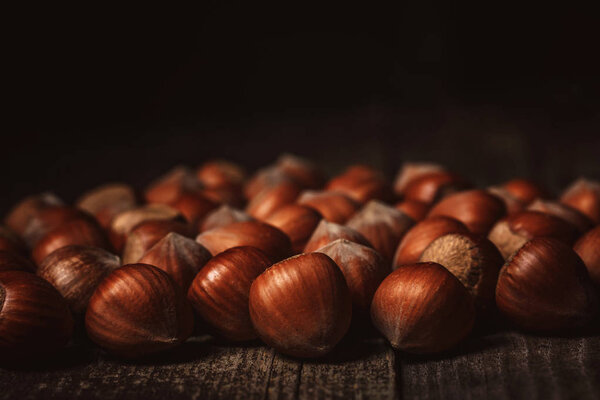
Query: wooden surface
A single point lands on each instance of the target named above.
(498, 365)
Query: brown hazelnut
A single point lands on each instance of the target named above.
(222, 216)
(333, 206)
(524, 190)
(421, 235)
(21, 214)
(167, 188)
(569, 214)
(178, 256)
(138, 310)
(80, 231)
(327, 232)
(35, 320)
(361, 183)
(544, 286)
(230, 195)
(417, 210)
(272, 198)
(301, 306)
(123, 223)
(147, 234)
(410, 171)
(477, 209)
(106, 201)
(297, 221)
(48, 219)
(263, 178)
(422, 308)
(588, 248)
(220, 173)
(220, 291)
(194, 206)
(431, 187)
(382, 225)
(513, 205)
(584, 195)
(9, 241)
(301, 170)
(10, 261)
(363, 269)
(512, 232)
(76, 271)
(274, 243)
(473, 259)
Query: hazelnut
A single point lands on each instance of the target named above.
(301, 170)
(524, 190)
(10, 261)
(222, 216)
(584, 195)
(588, 248)
(327, 232)
(512, 232)
(272, 198)
(382, 225)
(263, 178)
(333, 206)
(417, 210)
(50, 218)
(124, 222)
(422, 308)
(274, 243)
(410, 171)
(106, 201)
(512, 204)
(544, 286)
(361, 183)
(473, 259)
(220, 173)
(194, 206)
(81, 231)
(9, 241)
(431, 187)
(363, 269)
(564, 212)
(179, 257)
(21, 214)
(477, 209)
(421, 235)
(138, 310)
(75, 271)
(297, 221)
(35, 320)
(230, 195)
(301, 306)
(167, 188)
(147, 234)
(220, 291)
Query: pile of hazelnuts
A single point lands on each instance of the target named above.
(292, 258)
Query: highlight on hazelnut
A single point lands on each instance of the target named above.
(222, 216)
(301, 306)
(264, 178)
(524, 190)
(415, 209)
(382, 225)
(273, 198)
(361, 183)
(35, 320)
(473, 259)
(106, 201)
(194, 206)
(220, 291)
(168, 187)
(10, 261)
(220, 173)
(178, 256)
(588, 249)
(363, 268)
(477, 209)
(423, 308)
(298, 222)
(333, 206)
(48, 219)
(75, 271)
(564, 212)
(147, 234)
(545, 287)
(80, 231)
(584, 196)
(19, 217)
(410, 171)
(512, 232)
(327, 232)
(421, 235)
(430, 188)
(273, 242)
(138, 310)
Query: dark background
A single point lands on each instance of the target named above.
(492, 91)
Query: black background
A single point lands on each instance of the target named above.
(493, 91)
